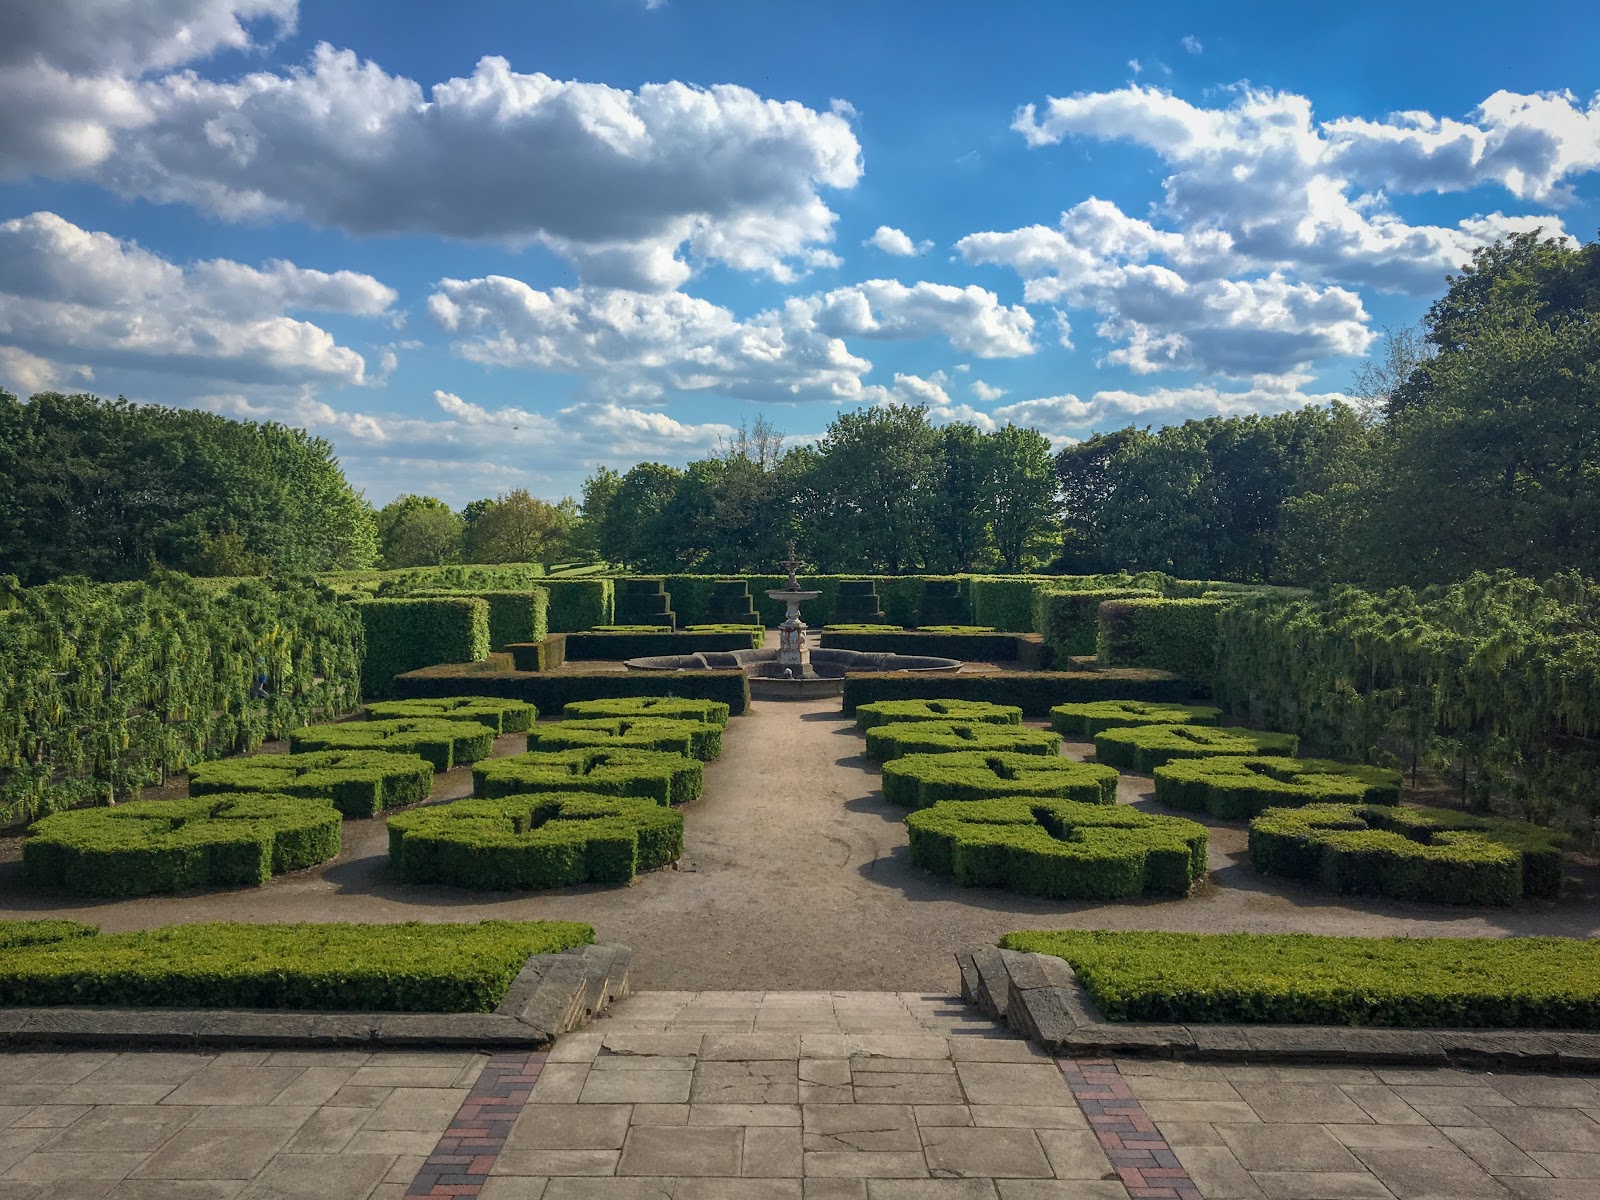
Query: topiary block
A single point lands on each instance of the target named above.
(1086, 720)
(502, 716)
(1059, 849)
(922, 780)
(359, 783)
(695, 739)
(659, 775)
(710, 712)
(1234, 787)
(1143, 748)
(888, 712)
(885, 742)
(442, 742)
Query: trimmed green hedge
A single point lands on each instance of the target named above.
(889, 712)
(552, 692)
(1059, 849)
(1301, 979)
(712, 712)
(1086, 720)
(402, 635)
(922, 780)
(499, 714)
(38, 933)
(579, 604)
(1433, 854)
(553, 839)
(614, 647)
(1233, 787)
(514, 616)
(411, 967)
(1070, 621)
(444, 743)
(1169, 635)
(148, 846)
(694, 739)
(657, 775)
(979, 646)
(547, 654)
(943, 603)
(1143, 748)
(885, 742)
(1005, 603)
(1036, 692)
(359, 783)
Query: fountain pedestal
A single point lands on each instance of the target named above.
(794, 655)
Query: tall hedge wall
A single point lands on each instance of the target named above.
(1070, 621)
(404, 634)
(514, 616)
(580, 604)
(1167, 635)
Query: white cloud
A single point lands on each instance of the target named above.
(970, 318)
(1192, 44)
(894, 241)
(986, 391)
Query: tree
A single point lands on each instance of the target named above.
(633, 533)
(1020, 494)
(419, 531)
(875, 477)
(593, 511)
(759, 443)
(1088, 479)
(517, 527)
(957, 516)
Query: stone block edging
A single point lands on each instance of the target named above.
(1039, 996)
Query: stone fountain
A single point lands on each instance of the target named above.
(794, 654)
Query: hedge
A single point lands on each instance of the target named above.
(148, 846)
(885, 742)
(579, 604)
(1004, 603)
(1303, 979)
(402, 635)
(410, 967)
(1143, 748)
(37, 933)
(1086, 720)
(942, 603)
(694, 739)
(554, 839)
(514, 616)
(1433, 854)
(444, 743)
(614, 647)
(1169, 635)
(1233, 787)
(888, 712)
(551, 693)
(975, 646)
(922, 780)
(712, 712)
(658, 775)
(1036, 692)
(1069, 622)
(500, 715)
(547, 654)
(359, 783)
(1059, 849)
(856, 601)
(644, 601)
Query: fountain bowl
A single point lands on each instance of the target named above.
(825, 676)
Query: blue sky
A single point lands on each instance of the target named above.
(488, 245)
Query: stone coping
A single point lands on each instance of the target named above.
(1039, 996)
(552, 994)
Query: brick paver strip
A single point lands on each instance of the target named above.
(1144, 1162)
(460, 1163)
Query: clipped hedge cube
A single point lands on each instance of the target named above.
(1086, 720)
(442, 742)
(500, 715)
(711, 712)
(885, 742)
(1143, 748)
(890, 712)
(695, 739)
(657, 775)
(922, 780)
(1232, 787)
(359, 783)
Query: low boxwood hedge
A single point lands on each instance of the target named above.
(696, 739)
(711, 712)
(1035, 691)
(498, 713)
(148, 846)
(549, 653)
(1302, 979)
(981, 645)
(885, 742)
(657, 775)
(38, 933)
(646, 643)
(1086, 720)
(410, 967)
(922, 780)
(1143, 748)
(1234, 787)
(890, 712)
(1059, 849)
(359, 783)
(1432, 854)
(442, 742)
(550, 839)
(551, 692)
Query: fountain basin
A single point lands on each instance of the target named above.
(768, 678)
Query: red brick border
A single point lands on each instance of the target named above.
(1145, 1163)
(460, 1163)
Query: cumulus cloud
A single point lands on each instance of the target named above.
(895, 241)
(986, 391)
(970, 318)
(1192, 44)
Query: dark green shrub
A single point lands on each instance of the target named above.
(1036, 692)
(1059, 849)
(889, 712)
(550, 693)
(730, 602)
(942, 737)
(1005, 603)
(579, 604)
(1086, 720)
(444, 743)
(499, 714)
(975, 646)
(694, 739)
(862, 627)
(1169, 635)
(37, 933)
(514, 616)
(856, 602)
(922, 780)
(1431, 854)
(657, 775)
(614, 646)
(1143, 748)
(359, 783)
(547, 654)
(942, 603)
(1069, 622)
(712, 712)
(552, 839)
(1234, 787)
(645, 602)
(402, 635)
(410, 967)
(148, 846)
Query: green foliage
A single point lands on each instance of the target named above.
(38, 933)
(942, 737)
(1020, 497)
(1036, 692)
(1069, 621)
(657, 775)
(694, 739)
(1086, 720)
(410, 967)
(1234, 787)
(500, 715)
(1059, 849)
(444, 743)
(359, 783)
(712, 712)
(419, 531)
(516, 527)
(148, 846)
(549, 653)
(402, 635)
(1004, 603)
(856, 602)
(1143, 748)
(967, 644)
(579, 604)
(888, 712)
(514, 616)
(1433, 854)
(607, 646)
(943, 602)
(106, 689)
(922, 780)
(1301, 979)
(535, 841)
(550, 693)
(1168, 635)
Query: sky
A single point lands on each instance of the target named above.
(499, 243)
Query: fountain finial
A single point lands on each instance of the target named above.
(792, 564)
